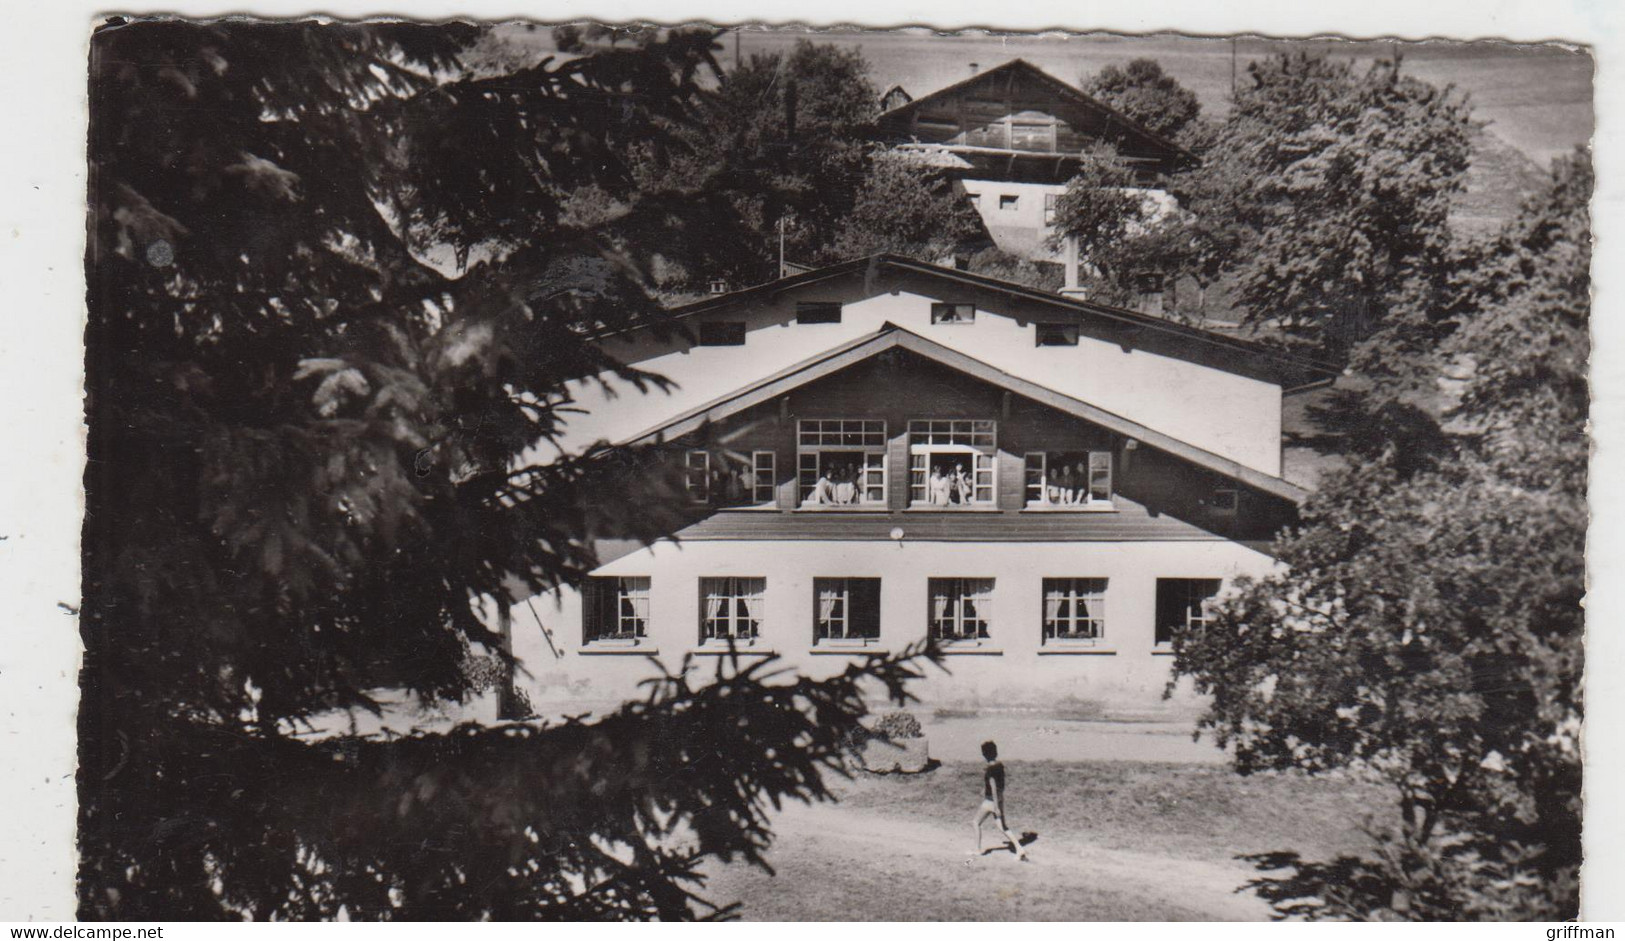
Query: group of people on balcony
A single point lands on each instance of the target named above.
(1067, 484)
(838, 485)
(950, 485)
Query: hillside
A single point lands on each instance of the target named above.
(1500, 178)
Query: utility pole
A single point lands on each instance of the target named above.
(1232, 69)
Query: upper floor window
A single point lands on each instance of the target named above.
(731, 608)
(697, 475)
(1056, 334)
(953, 313)
(1051, 200)
(722, 333)
(615, 610)
(818, 312)
(951, 462)
(1039, 136)
(846, 610)
(961, 609)
(1069, 478)
(1074, 609)
(841, 462)
(1182, 605)
(1009, 201)
(728, 478)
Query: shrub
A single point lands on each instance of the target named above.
(896, 725)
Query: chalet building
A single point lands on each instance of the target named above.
(1012, 137)
(885, 450)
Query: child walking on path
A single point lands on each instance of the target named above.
(993, 801)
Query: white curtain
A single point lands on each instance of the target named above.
(1052, 606)
(713, 608)
(826, 603)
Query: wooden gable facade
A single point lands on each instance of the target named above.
(1019, 121)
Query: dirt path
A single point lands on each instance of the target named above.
(842, 863)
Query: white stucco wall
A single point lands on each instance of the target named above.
(1022, 229)
(1124, 668)
(1230, 415)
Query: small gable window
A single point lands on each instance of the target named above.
(953, 313)
(722, 333)
(818, 312)
(1057, 334)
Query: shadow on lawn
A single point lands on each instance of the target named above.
(1028, 838)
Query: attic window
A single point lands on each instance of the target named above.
(818, 312)
(719, 286)
(1224, 500)
(1057, 334)
(953, 313)
(1009, 201)
(722, 333)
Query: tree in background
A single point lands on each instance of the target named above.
(1343, 183)
(338, 293)
(1111, 214)
(785, 140)
(905, 207)
(1429, 627)
(1142, 91)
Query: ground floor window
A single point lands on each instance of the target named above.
(731, 608)
(1068, 478)
(960, 608)
(1074, 609)
(1182, 605)
(846, 609)
(615, 610)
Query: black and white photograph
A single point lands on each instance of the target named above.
(586, 469)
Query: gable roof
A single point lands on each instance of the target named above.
(891, 336)
(1133, 129)
(1133, 328)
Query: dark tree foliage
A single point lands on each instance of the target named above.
(1143, 91)
(785, 144)
(904, 207)
(1430, 626)
(1110, 213)
(337, 292)
(1324, 196)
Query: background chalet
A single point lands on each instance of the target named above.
(1013, 136)
(883, 450)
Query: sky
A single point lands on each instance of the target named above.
(1536, 98)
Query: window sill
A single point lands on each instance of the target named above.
(937, 508)
(741, 650)
(843, 508)
(617, 650)
(750, 508)
(969, 650)
(1075, 508)
(1162, 651)
(1066, 650)
(849, 650)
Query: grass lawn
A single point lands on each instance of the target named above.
(1115, 841)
